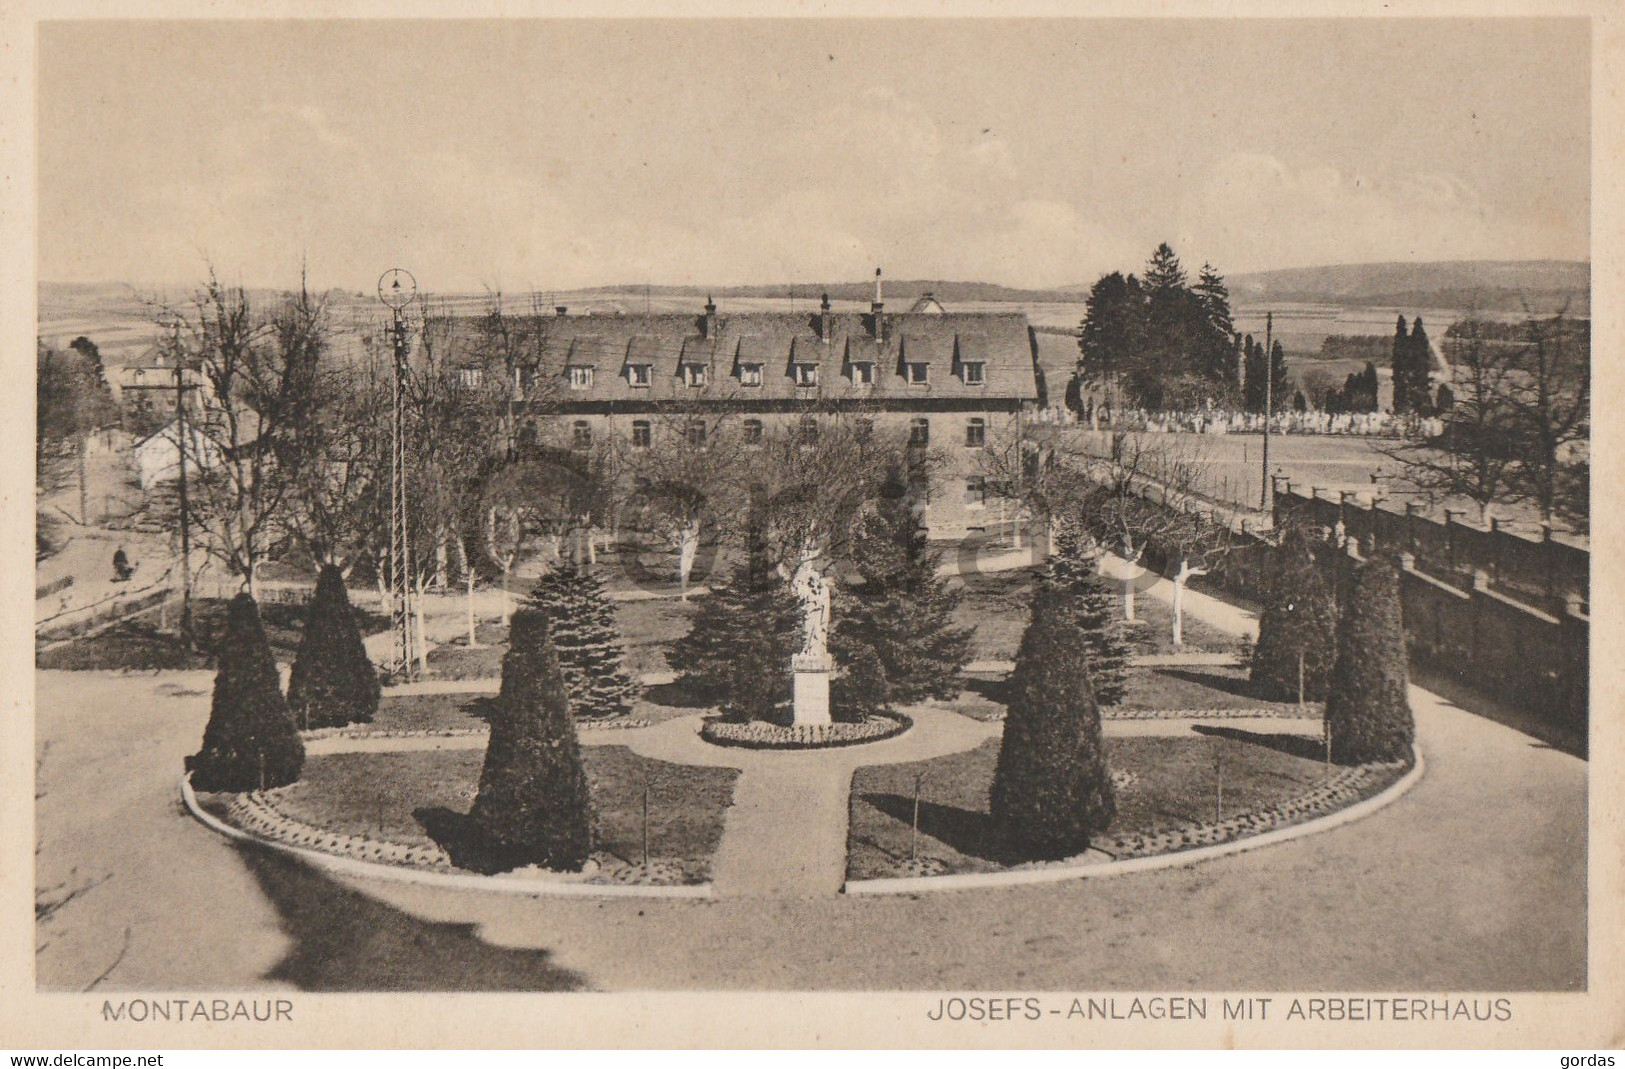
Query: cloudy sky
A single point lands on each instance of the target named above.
(554, 154)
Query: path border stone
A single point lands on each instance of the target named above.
(899, 885)
(569, 885)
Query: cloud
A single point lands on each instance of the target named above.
(1255, 211)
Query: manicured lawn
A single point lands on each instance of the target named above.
(997, 605)
(455, 660)
(1172, 782)
(430, 712)
(139, 645)
(647, 628)
(386, 795)
(1200, 687)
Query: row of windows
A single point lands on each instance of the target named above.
(580, 376)
(919, 431)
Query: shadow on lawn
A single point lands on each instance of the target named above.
(994, 690)
(457, 834)
(1240, 686)
(1309, 746)
(678, 695)
(970, 832)
(346, 941)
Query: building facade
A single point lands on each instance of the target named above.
(954, 383)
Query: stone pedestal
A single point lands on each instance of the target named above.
(812, 688)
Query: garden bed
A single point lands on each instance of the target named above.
(760, 735)
(367, 803)
(1168, 799)
(1159, 692)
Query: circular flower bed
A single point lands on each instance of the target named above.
(760, 735)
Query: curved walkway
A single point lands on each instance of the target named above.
(785, 834)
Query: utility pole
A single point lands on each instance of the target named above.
(181, 386)
(396, 288)
(1269, 405)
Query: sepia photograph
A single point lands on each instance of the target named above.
(899, 526)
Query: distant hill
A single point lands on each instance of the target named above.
(1494, 285)
(895, 292)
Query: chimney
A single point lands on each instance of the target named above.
(710, 318)
(826, 326)
(559, 310)
(877, 311)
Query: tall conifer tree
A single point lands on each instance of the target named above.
(1368, 710)
(903, 610)
(587, 639)
(1075, 571)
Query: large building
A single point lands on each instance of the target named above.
(954, 382)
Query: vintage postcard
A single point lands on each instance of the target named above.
(814, 525)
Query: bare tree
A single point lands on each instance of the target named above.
(259, 370)
(1550, 398)
(1477, 455)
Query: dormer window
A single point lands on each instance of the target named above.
(917, 373)
(579, 376)
(639, 375)
(863, 374)
(972, 371)
(471, 377)
(693, 375)
(805, 374)
(750, 374)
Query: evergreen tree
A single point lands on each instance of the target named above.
(1051, 788)
(1299, 619)
(1075, 571)
(250, 742)
(1163, 272)
(1216, 356)
(333, 682)
(1281, 386)
(1252, 375)
(1367, 709)
(1402, 368)
(1418, 385)
(862, 692)
(533, 806)
(1112, 334)
(586, 637)
(738, 650)
(903, 610)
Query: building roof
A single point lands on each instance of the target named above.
(945, 341)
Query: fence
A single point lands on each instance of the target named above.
(1545, 572)
(1533, 655)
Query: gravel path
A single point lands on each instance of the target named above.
(1474, 880)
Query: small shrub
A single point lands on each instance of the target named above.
(250, 742)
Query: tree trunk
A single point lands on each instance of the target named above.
(440, 560)
(422, 639)
(688, 547)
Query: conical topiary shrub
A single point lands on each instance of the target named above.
(1368, 711)
(250, 742)
(533, 806)
(1075, 570)
(587, 638)
(1299, 618)
(1051, 788)
(333, 682)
